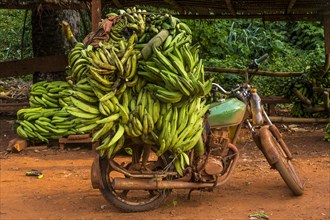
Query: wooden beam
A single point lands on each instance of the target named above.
(175, 5)
(117, 3)
(252, 72)
(266, 17)
(230, 7)
(96, 14)
(326, 25)
(13, 107)
(29, 66)
(290, 6)
(282, 119)
(274, 99)
(45, 5)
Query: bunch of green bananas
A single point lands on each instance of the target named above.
(303, 93)
(122, 97)
(42, 124)
(48, 94)
(58, 110)
(156, 101)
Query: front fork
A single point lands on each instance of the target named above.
(275, 133)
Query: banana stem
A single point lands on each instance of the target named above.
(155, 41)
(301, 97)
(68, 33)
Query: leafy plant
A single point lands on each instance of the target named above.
(234, 43)
(11, 29)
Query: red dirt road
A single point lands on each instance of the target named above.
(65, 191)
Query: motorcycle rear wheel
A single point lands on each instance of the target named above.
(131, 200)
(284, 166)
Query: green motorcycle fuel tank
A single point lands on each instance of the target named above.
(227, 113)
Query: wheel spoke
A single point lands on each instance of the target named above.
(137, 200)
(124, 193)
(284, 166)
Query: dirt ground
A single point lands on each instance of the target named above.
(65, 191)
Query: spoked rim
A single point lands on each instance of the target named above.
(292, 178)
(133, 197)
(133, 200)
(283, 165)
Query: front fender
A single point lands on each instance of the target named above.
(267, 144)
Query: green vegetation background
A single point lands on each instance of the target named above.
(293, 46)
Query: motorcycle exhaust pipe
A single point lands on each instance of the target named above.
(154, 184)
(151, 184)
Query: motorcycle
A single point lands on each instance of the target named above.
(142, 181)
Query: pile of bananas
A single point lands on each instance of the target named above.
(51, 115)
(126, 94)
(39, 124)
(310, 93)
(146, 100)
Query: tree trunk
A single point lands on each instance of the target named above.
(48, 39)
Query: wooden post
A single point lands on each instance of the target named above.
(96, 14)
(326, 23)
(327, 34)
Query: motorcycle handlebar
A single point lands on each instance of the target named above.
(261, 59)
(223, 91)
(255, 63)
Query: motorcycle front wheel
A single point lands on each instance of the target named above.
(132, 200)
(283, 165)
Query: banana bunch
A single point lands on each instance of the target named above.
(307, 92)
(48, 117)
(179, 129)
(48, 94)
(58, 110)
(42, 124)
(297, 110)
(133, 20)
(176, 73)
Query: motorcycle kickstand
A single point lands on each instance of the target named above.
(189, 194)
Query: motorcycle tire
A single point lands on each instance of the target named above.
(150, 199)
(283, 165)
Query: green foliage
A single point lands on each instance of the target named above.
(306, 36)
(234, 43)
(224, 43)
(11, 29)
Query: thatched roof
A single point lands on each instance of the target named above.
(266, 9)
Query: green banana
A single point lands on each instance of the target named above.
(84, 107)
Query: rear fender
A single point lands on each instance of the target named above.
(96, 178)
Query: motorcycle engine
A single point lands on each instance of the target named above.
(213, 164)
